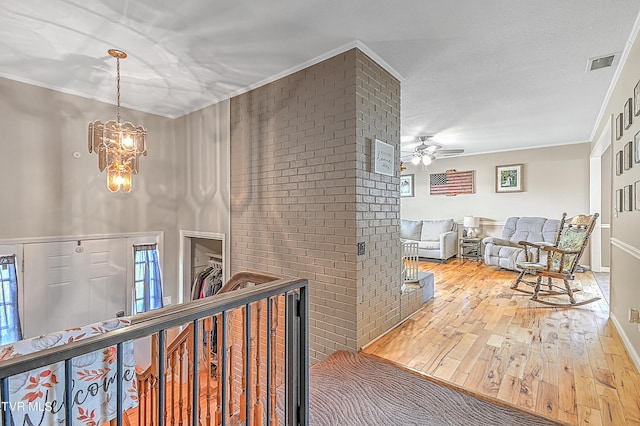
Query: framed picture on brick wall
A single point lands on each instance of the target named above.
(383, 158)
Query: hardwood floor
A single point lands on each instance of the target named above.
(567, 364)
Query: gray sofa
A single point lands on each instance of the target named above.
(437, 239)
(505, 252)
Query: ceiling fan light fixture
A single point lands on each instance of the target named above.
(415, 160)
(426, 160)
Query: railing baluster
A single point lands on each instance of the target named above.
(303, 354)
(68, 396)
(180, 380)
(222, 362)
(162, 419)
(195, 402)
(231, 350)
(6, 411)
(268, 347)
(274, 365)
(119, 384)
(243, 376)
(208, 329)
(173, 387)
(258, 409)
(219, 394)
(247, 363)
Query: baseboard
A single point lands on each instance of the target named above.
(627, 343)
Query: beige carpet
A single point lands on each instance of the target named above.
(353, 389)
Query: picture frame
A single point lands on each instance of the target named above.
(619, 163)
(636, 99)
(383, 158)
(628, 114)
(628, 155)
(636, 196)
(509, 178)
(619, 126)
(407, 186)
(636, 143)
(628, 198)
(618, 206)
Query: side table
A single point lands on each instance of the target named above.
(470, 248)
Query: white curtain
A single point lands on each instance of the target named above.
(10, 329)
(148, 281)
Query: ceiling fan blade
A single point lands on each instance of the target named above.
(450, 151)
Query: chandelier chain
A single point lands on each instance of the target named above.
(118, 80)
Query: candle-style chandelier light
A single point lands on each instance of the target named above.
(118, 145)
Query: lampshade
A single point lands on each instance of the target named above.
(118, 145)
(471, 222)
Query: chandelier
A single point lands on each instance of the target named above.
(118, 145)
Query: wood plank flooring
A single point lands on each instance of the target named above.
(567, 364)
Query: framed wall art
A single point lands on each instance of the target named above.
(509, 178)
(636, 187)
(619, 126)
(619, 163)
(407, 186)
(383, 158)
(628, 114)
(618, 205)
(636, 99)
(636, 150)
(628, 155)
(628, 198)
(451, 183)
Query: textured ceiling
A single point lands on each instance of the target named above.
(483, 75)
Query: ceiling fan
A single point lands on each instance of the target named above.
(428, 151)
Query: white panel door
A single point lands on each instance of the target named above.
(67, 284)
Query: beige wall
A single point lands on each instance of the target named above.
(556, 180)
(54, 194)
(625, 232)
(202, 148)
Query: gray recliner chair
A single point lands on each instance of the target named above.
(505, 252)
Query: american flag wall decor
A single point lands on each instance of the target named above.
(451, 183)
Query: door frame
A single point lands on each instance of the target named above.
(184, 260)
(595, 195)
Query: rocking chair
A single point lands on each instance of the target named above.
(560, 263)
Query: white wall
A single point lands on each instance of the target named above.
(556, 180)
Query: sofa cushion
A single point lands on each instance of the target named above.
(431, 229)
(429, 245)
(410, 229)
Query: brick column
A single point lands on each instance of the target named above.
(303, 195)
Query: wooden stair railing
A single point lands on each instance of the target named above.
(174, 379)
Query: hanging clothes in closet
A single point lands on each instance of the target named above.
(208, 283)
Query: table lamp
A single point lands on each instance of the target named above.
(471, 223)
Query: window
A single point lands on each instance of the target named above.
(10, 330)
(147, 280)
